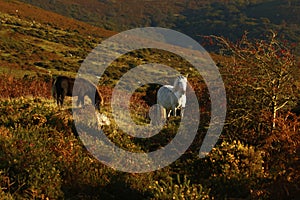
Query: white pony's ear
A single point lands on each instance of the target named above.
(187, 76)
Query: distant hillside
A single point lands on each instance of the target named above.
(192, 17)
(34, 39)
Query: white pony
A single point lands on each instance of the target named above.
(173, 97)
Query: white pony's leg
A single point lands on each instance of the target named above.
(169, 113)
(183, 102)
(182, 111)
(174, 112)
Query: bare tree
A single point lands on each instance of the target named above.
(259, 79)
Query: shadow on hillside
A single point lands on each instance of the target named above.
(116, 190)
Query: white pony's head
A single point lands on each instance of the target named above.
(180, 84)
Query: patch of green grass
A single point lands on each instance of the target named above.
(16, 72)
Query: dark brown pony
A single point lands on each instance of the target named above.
(63, 86)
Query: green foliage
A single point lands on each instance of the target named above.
(178, 189)
(39, 154)
(42, 158)
(30, 166)
(235, 160)
(234, 169)
(28, 159)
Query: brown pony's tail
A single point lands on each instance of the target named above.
(53, 89)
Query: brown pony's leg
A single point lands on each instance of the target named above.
(98, 100)
(58, 99)
(61, 99)
(97, 105)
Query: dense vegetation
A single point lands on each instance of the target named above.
(257, 155)
(41, 156)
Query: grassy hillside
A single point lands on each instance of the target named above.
(34, 40)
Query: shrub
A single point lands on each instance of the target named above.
(234, 169)
(28, 164)
(12, 87)
(282, 158)
(178, 189)
(40, 156)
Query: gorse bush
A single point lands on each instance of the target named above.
(179, 189)
(28, 157)
(234, 169)
(30, 165)
(232, 160)
(40, 157)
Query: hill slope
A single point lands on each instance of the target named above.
(33, 39)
